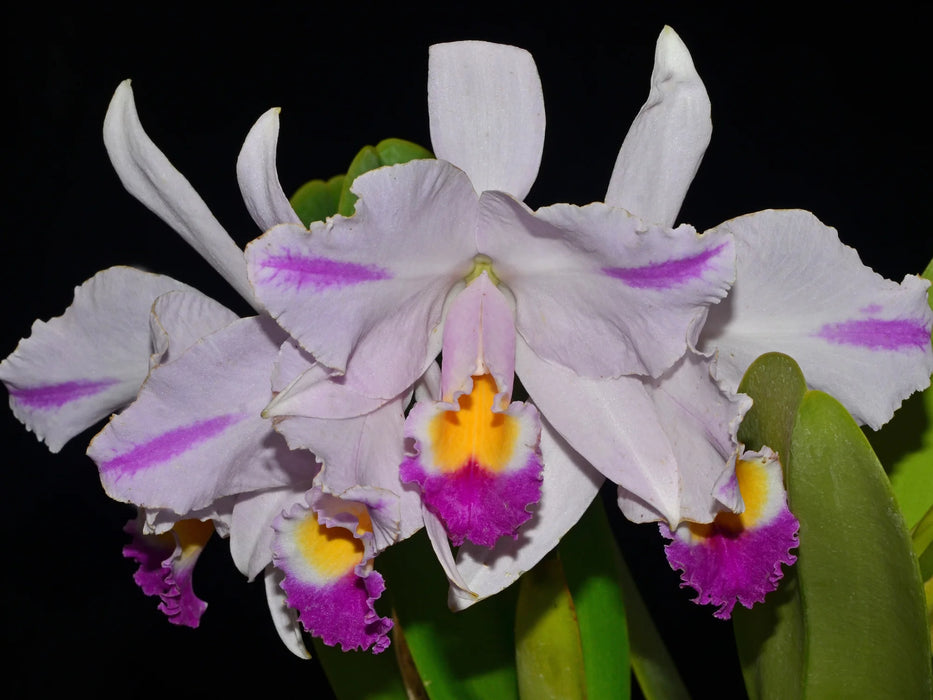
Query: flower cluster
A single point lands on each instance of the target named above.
(372, 392)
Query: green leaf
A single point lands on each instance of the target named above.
(461, 656)
(360, 674)
(386, 152)
(921, 536)
(367, 159)
(652, 664)
(849, 619)
(592, 566)
(396, 151)
(863, 601)
(317, 199)
(770, 636)
(548, 651)
(905, 447)
(776, 385)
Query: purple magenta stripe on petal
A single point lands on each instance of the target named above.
(666, 274)
(53, 396)
(878, 334)
(319, 273)
(170, 444)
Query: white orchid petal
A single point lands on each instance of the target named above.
(665, 144)
(78, 368)
(857, 336)
(487, 113)
(149, 176)
(284, 617)
(258, 177)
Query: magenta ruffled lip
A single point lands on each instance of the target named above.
(729, 567)
(475, 504)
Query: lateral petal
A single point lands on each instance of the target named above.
(199, 418)
(149, 176)
(180, 319)
(700, 421)
(352, 287)
(486, 112)
(612, 424)
(599, 292)
(81, 366)
(259, 178)
(665, 144)
(857, 336)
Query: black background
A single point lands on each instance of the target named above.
(823, 113)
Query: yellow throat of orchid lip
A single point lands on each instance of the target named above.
(192, 535)
(474, 433)
(331, 551)
(754, 486)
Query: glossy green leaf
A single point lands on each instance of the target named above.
(770, 636)
(317, 199)
(863, 602)
(777, 386)
(548, 651)
(905, 447)
(921, 536)
(459, 656)
(849, 619)
(354, 675)
(651, 662)
(396, 151)
(592, 566)
(386, 152)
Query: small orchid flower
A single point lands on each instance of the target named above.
(442, 256)
(200, 378)
(166, 565)
(798, 290)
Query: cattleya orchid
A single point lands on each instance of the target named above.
(564, 297)
(867, 342)
(628, 333)
(148, 341)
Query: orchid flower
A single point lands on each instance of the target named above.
(798, 290)
(593, 309)
(200, 378)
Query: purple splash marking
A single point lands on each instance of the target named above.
(170, 444)
(53, 396)
(870, 309)
(877, 334)
(320, 273)
(666, 274)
